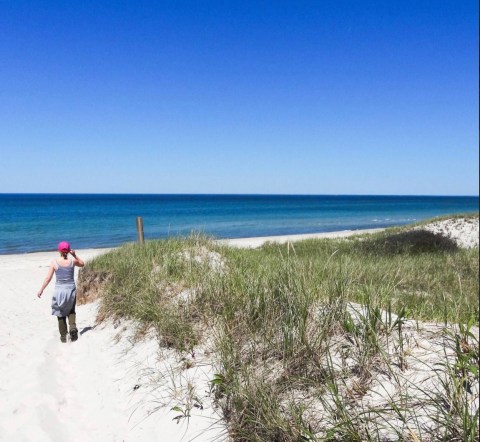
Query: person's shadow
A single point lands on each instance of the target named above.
(86, 329)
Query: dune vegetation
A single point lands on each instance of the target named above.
(366, 338)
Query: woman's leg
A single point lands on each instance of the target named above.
(62, 328)
(71, 323)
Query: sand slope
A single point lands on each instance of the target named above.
(81, 391)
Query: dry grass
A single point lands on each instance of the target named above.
(320, 341)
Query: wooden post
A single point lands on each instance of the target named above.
(141, 239)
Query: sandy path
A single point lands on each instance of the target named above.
(81, 391)
(49, 391)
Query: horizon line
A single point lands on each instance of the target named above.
(234, 194)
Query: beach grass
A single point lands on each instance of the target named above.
(302, 331)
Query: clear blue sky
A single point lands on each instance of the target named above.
(298, 97)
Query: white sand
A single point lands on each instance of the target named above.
(259, 241)
(85, 391)
(463, 231)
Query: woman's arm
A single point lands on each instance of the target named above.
(47, 280)
(77, 261)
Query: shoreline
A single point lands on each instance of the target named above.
(249, 242)
(436, 225)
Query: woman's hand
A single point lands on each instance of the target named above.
(39, 294)
(78, 261)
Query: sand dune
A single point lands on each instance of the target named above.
(100, 388)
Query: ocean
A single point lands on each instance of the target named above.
(37, 222)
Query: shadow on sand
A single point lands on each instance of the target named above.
(86, 329)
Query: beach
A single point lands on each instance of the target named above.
(277, 206)
(83, 390)
(102, 387)
(77, 391)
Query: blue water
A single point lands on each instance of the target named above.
(37, 222)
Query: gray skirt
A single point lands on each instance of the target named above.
(63, 300)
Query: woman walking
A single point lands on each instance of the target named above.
(64, 296)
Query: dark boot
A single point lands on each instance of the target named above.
(72, 326)
(62, 328)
